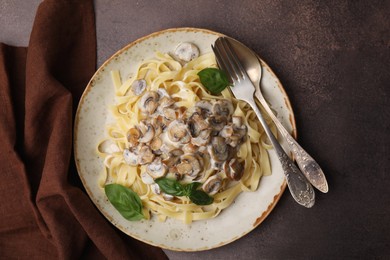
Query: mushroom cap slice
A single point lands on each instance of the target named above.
(218, 149)
(166, 102)
(196, 123)
(138, 87)
(147, 131)
(223, 107)
(148, 102)
(173, 157)
(155, 189)
(186, 51)
(133, 136)
(217, 122)
(156, 144)
(169, 113)
(145, 155)
(189, 166)
(130, 157)
(189, 148)
(234, 169)
(203, 138)
(206, 108)
(212, 185)
(237, 121)
(178, 132)
(227, 131)
(157, 168)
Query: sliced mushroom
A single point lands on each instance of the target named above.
(173, 158)
(138, 87)
(200, 158)
(166, 149)
(181, 112)
(169, 113)
(174, 174)
(148, 102)
(212, 185)
(239, 135)
(189, 166)
(241, 131)
(156, 144)
(178, 132)
(203, 150)
(216, 165)
(227, 131)
(234, 140)
(203, 138)
(156, 169)
(234, 169)
(166, 102)
(217, 122)
(176, 153)
(165, 98)
(168, 197)
(187, 51)
(130, 156)
(157, 125)
(133, 136)
(189, 148)
(147, 132)
(223, 107)
(196, 123)
(145, 155)
(155, 189)
(237, 121)
(206, 108)
(162, 122)
(218, 149)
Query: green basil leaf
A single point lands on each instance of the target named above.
(189, 188)
(170, 186)
(126, 201)
(214, 80)
(200, 197)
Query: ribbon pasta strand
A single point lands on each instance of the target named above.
(182, 83)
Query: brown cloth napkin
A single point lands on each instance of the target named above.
(44, 213)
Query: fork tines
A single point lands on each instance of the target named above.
(223, 51)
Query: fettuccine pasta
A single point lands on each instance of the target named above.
(179, 86)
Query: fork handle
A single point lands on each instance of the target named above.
(306, 163)
(301, 190)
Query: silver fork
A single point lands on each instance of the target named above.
(243, 89)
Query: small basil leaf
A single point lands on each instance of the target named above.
(200, 197)
(189, 188)
(214, 80)
(170, 186)
(126, 201)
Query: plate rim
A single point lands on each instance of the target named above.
(90, 85)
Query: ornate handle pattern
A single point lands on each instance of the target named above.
(300, 188)
(306, 163)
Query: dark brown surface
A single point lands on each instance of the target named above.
(333, 58)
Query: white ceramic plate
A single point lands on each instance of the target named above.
(249, 209)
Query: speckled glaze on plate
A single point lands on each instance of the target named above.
(248, 210)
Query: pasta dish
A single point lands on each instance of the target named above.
(183, 152)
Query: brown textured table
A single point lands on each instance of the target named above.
(333, 58)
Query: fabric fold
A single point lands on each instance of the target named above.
(45, 213)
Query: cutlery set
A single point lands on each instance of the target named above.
(244, 68)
